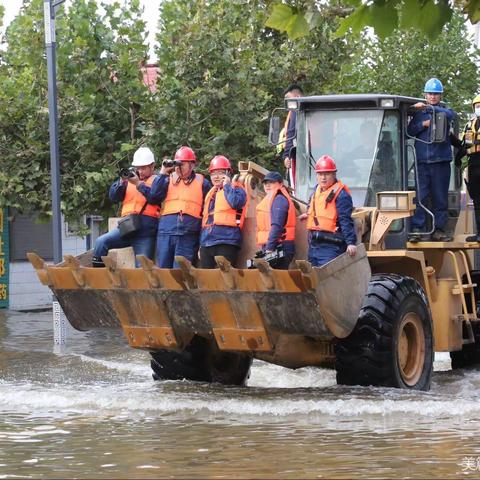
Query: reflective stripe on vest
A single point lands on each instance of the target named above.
(322, 211)
(134, 201)
(223, 213)
(471, 136)
(184, 198)
(283, 134)
(264, 223)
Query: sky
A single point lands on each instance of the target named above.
(150, 15)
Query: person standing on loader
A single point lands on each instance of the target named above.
(288, 133)
(433, 163)
(330, 226)
(182, 192)
(223, 215)
(134, 207)
(470, 146)
(276, 219)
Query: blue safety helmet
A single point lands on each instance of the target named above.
(272, 177)
(434, 85)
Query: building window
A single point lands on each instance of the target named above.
(28, 236)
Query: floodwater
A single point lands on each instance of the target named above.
(95, 412)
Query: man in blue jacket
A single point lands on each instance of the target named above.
(126, 190)
(181, 192)
(433, 163)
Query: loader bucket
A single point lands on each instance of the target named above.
(243, 310)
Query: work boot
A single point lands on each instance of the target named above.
(475, 238)
(97, 262)
(415, 235)
(439, 235)
(472, 238)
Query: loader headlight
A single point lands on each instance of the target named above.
(386, 102)
(395, 201)
(292, 104)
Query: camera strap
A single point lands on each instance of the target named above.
(144, 207)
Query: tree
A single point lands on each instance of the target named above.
(99, 120)
(402, 63)
(223, 72)
(384, 16)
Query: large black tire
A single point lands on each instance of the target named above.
(201, 361)
(392, 343)
(469, 355)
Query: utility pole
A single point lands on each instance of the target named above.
(49, 10)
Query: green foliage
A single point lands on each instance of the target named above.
(401, 63)
(426, 16)
(222, 73)
(96, 116)
(286, 19)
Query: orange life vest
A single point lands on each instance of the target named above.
(264, 223)
(322, 211)
(223, 213)
(471, 136)
(134, 201)
(184, 198)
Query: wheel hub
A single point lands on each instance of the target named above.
(411, 348)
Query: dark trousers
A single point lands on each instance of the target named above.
(433, 182)
(474, 184)
(320, 253)
(473, 187)
(170, 246)
(208, 254)
(143, 243)
(283, 263)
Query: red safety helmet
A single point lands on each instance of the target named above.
(219, 162)
(325, 164)
(185, 154)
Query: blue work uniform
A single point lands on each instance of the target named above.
(278, 219)
(322, 252)
(178, 234)
(221, 234)
(433, 164)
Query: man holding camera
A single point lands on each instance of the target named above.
(137, 214)
(182, 192)
(223, 215)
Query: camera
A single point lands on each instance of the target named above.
(171, 163)
(128, 172)
(273, 258)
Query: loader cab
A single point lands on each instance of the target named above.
(366, 135)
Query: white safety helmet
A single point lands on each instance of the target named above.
(142, 157)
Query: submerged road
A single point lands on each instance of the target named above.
(95, 412)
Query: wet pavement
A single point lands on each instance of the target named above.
(95, 412)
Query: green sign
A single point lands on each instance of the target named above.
(4, 258)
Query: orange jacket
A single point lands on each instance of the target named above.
(264, 223)
(223, 213)
(184, 198)
(322, 214)
(134, 201)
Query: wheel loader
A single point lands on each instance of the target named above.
(377, 317)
